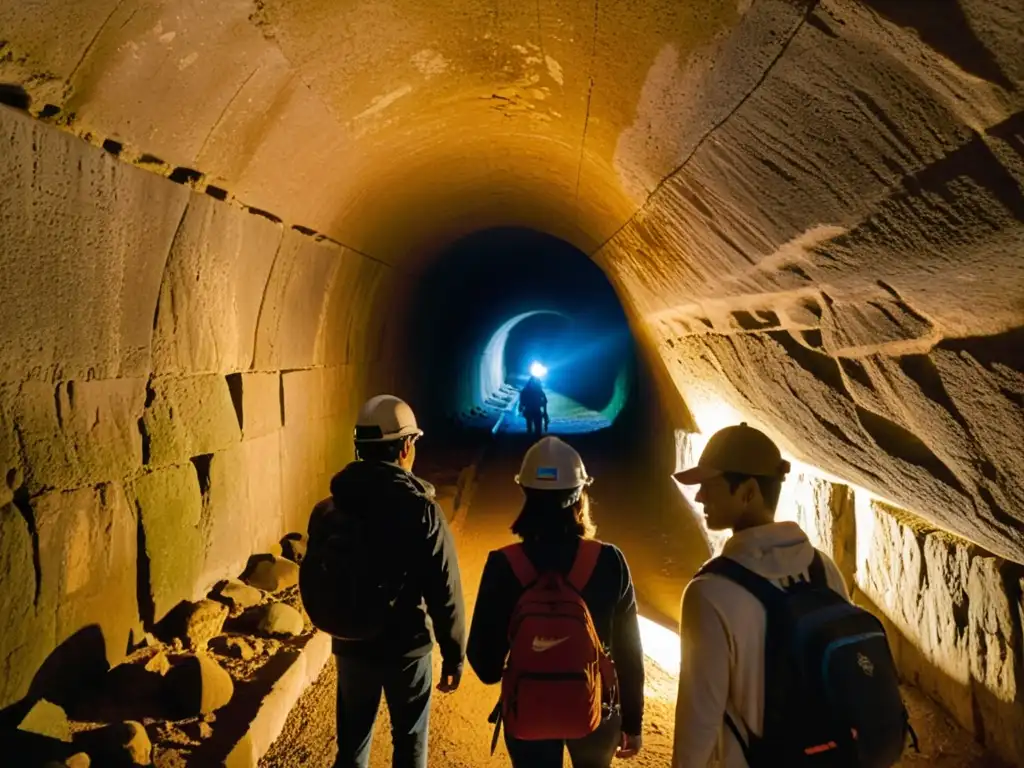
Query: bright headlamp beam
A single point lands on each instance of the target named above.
(538, 370)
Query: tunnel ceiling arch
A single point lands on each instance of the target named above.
(811, 210)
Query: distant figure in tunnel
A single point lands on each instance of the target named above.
(556, 624)
(533, 405)
(380, 569)
(778, 667)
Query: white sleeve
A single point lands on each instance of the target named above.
(703, 680)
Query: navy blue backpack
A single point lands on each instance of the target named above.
(832, 696)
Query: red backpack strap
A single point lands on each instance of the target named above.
(521, 565)
(586, 560)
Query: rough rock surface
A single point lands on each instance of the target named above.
(238, 595)
(272, 574)
(47, 719)
(198, 623)
(170, 507)
(956, 616)
(237, 647)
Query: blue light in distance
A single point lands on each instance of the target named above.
(538, 370)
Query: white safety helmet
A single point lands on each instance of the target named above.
(384, 418)
(553, 465)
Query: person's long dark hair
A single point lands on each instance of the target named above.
(554, 514)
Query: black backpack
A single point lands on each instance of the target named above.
(347, 581)
(832, 696)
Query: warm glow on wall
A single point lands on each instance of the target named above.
(660, 645)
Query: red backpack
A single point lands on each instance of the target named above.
(559, 683)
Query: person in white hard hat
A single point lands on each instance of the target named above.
(554, 527)
(405, 554)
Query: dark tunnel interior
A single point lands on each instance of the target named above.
(501, 300)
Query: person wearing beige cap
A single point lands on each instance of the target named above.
(737, 705)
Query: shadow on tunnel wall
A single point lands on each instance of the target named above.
(14, 96)
(943, 25)
(76, 667)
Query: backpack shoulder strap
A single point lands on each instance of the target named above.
(817, 573)
(583, 567)
(756, 585)
(520, 563)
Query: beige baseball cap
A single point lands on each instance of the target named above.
(740, 449)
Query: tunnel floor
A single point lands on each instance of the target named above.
(459, 733)
(568, 417)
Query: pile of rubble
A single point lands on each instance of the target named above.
(160, 705)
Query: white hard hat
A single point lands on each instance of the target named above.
(383, 418)
(552, 465)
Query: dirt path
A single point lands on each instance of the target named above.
(460, 734)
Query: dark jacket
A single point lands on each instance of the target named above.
(609, 596)
(532, 397)
(420, 546)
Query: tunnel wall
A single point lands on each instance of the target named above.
(179, 381)
(840, 257)
(952, 610)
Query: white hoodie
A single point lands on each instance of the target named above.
(722, 632)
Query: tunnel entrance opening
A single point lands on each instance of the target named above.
(503, 301)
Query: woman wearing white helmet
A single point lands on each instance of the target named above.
(556, 624)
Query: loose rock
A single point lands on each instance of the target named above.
(159, 663)
(47, 719)
(294, 546)
(274, 574)
(120, 744)
(78, 760)
(194, 624)
(205, 622)
(239, 595)
(236, 647)
(198, 730)
(198, 685)
(281, 619)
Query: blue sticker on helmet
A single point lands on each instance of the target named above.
(547, 473)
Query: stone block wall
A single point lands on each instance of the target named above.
(178, 381)
(954, 616)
